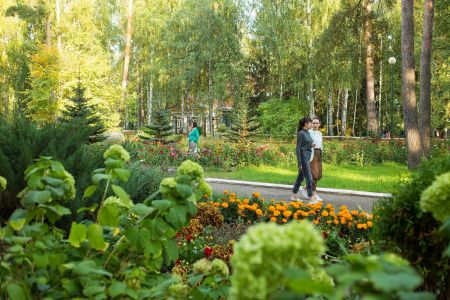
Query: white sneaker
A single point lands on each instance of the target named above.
(318, 198)
(313, 200)
(295, 198)
(304, 192)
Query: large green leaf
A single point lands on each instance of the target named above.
(117, 288)
(141, 209)
(138, 238)
(57, 209)
(18, 219)
(40, 260)
(88, 267)
(177, 216)
(120, 192)
(94, 289)
(161, 204)
(77, 234)
(90, 190)
(406, 280)
(95, 237)
(122, 174)
(154, 248)
(184, 190)
(171, 250)
(96, 178)
(109, 215)
(39, 197)
(16, 292)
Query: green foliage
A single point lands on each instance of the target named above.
(3, 183)
(279, 118)
(243, 124)
(21, 142)
(42, 106)
(405, 229)
(120, 254)
(80, 109)
(435, 198)
(160, 129)
(266, 250)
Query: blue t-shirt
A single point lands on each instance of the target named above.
(194, 135)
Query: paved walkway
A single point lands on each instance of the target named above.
(353, 199)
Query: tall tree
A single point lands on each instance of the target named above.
(408, 85)
(127, 61)
(372, 123)
(425, 78)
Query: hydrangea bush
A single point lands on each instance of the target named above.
(266, 250)
(436, 198)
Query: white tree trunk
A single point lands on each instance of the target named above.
(354, 113)
(344, 112)
(127, 60)
(330, 112)
(150, 101)
(58, 28)
(337, 111)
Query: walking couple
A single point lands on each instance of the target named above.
(309, 156)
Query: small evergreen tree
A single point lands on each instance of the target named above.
(160, 129)
(81, 110)
(243, 124)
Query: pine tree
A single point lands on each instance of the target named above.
(160, 129)
(81, 110)
(243, 124)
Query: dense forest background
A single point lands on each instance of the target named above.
(328, 57)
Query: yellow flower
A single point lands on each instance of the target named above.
(241, 207)
(256, 194)
(336, 221)
(295, 216)
(259, 212)
(287, 213)
(350, 224)
(343, 207)
(232, 200)
(225, 192)
(324, 213)
(232, 195)
(273, 219)
(343, 221)
(276, 213)
(225, 205)
(271, 208)
(284, 220)
(316, 222)
(369, 224)
(245, 201)
(354, 212)
(359, 226)
(364, 226)
(329, 222)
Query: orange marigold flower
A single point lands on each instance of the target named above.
(329, 221)
(245, 201)
(316, 222)
(350, 224)
(225, 192)
(232, 200)
(369, 224)
(216, 204)
(295, 216)
(276, 213)
(343, 207)
(359, 226)
(343, 221)
(272, 200)
(287, 213)
(259, 212)
(225, 205)
(284, 220)
(336, 221)
(364, 226)
(271, 208)
(256, 194)
(324, 213)
(241, 207)
(354, 212)
(233, 195)
(273, 219)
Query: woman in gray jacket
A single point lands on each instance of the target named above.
(303, 151)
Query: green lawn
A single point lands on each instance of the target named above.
(376, 178)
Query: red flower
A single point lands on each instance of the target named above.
(161, 152)
(324, 234)
(189, 238)
(208, 251)
(178, 262)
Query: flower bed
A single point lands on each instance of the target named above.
(221, 221)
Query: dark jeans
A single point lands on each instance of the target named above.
(304, 173)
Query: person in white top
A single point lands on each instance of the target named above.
(316, 162)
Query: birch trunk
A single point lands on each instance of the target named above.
(354, 113)
(408, 86)
(380, 91)
(337, 112)
(127, 61)
(344, 112)
(150, 101)
(58, 28)
(330, 112)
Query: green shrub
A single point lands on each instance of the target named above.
(405, 229)
(436, 198)
(21, 142)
